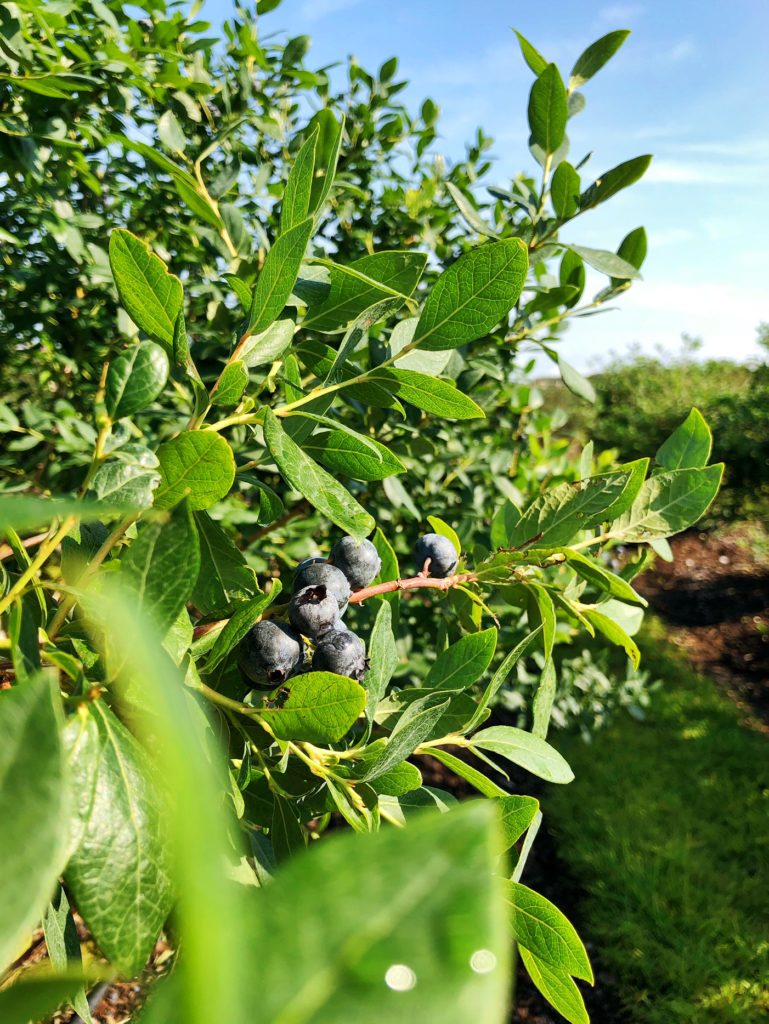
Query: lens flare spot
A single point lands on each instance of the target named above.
(400, 978)
(482, 961)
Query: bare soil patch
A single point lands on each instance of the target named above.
(714, 599)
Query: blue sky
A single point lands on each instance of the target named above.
(691, 86)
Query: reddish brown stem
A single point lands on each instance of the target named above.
(414, 583)
(29, 542)
(358, 596)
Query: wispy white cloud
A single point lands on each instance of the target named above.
(620, 13)
(655, 315)
(753, 149)
(314, 10)
(682, 172)
(680, 51)
(669, 236)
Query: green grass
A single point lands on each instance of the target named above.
(666, 828)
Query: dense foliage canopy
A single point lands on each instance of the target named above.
(248, 310)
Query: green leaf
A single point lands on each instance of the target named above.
(33, 809)
(118, 839)
(467, 772)
(197, 465)
(500, 676)
(550, 299)
(544, 698)
(358, 285)
(278, 275)
(127, 483)
(286, 833)
(150, 295)
(318, 486)
(263, 349)
(239, 624)
(540, 927)
(224, 575)
(235, 225)
(532, 56)
(601, 577)
(607, 262)
(403, 778)
(63, 945)
(232, 384)
(633, 247)
(383, 658)
(557, 986)
(556, 516)
(181, 351)
(321, 708)
(564, 190)
(445, 530)
(469, 212)
(613, 632)
(625, 615)
(170, 132)
(404, 809)
(424, 884)
(38, 995)
(361, 459)
(636, 475)
(572, 274)
(668, 503)
(326, 155)
(595, 56)
(542, 613)
(433, 363)
(689, 446)
(358, 332)
(25, 617)
(460, 709)
(162, 565)
(414, 726)
(460, 665)
(527, 751)
(613, 181)
(432, 394)
(575, 382)
(296, 197)
(516, 814)
(473, 295)
(135, 379)
(548, 109)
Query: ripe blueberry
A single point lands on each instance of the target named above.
(359, 561)
(318, 574)
(342, 652)
(269, 653)
(313, 610)
(309, 561)
(441, 552)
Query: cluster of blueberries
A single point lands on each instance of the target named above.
(272, 651)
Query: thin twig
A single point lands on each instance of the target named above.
(413, 583)
(30, 542)
(358, 596)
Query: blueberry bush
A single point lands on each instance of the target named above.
(281, 514)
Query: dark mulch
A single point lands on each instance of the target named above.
(114, 1003)
(714, 599)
